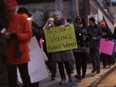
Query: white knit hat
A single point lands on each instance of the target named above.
(46, 25)
(52, 19)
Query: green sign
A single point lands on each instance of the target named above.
(60, 38)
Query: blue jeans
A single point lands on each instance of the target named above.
(95, 57)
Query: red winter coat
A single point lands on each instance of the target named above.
(21, 26)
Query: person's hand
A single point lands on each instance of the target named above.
(94, 38)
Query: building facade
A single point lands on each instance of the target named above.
(39, 9)
(42, 9)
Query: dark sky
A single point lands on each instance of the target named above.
(31, 1)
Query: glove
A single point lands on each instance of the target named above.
(13, 36)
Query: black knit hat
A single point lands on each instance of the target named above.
(24, 10)
(92, 19)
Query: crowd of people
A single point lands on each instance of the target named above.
(16, 31)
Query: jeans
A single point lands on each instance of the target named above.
(95, 57)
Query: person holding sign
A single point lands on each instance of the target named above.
(80, 53)
(18, 34)
(62, 57)
(50, 64)
(106, 34)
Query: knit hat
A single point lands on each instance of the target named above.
(58, 13)
(52, 19)
(46, 25)
(11, 4)
(92, 19)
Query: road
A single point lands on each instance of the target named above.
(89, 81)
(109, 81)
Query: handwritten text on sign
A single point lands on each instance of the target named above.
(37, 68)
(60, 38)
(106, 46)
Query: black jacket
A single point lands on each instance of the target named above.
(82, 35)
(106, 33)
(37, 31)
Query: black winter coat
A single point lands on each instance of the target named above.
(106, 33)
(37, 31)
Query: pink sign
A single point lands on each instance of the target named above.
(106, 46)
(41, 42)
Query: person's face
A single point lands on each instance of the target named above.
(57, 16)
(91, 23)
(50, 22)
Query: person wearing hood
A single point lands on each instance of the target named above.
(18, 35)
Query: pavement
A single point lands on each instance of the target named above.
(91, 79)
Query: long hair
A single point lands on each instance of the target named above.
(3, 15)
(82, 20)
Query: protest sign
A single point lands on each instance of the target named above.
(106, 46)
(36, 67)
(60, 38)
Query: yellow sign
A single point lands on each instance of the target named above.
(60, 38)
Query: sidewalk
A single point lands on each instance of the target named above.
(91, 80)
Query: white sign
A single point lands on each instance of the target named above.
(36, 67)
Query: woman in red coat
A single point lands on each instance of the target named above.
(18, 35)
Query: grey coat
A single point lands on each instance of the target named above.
(62, 56)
